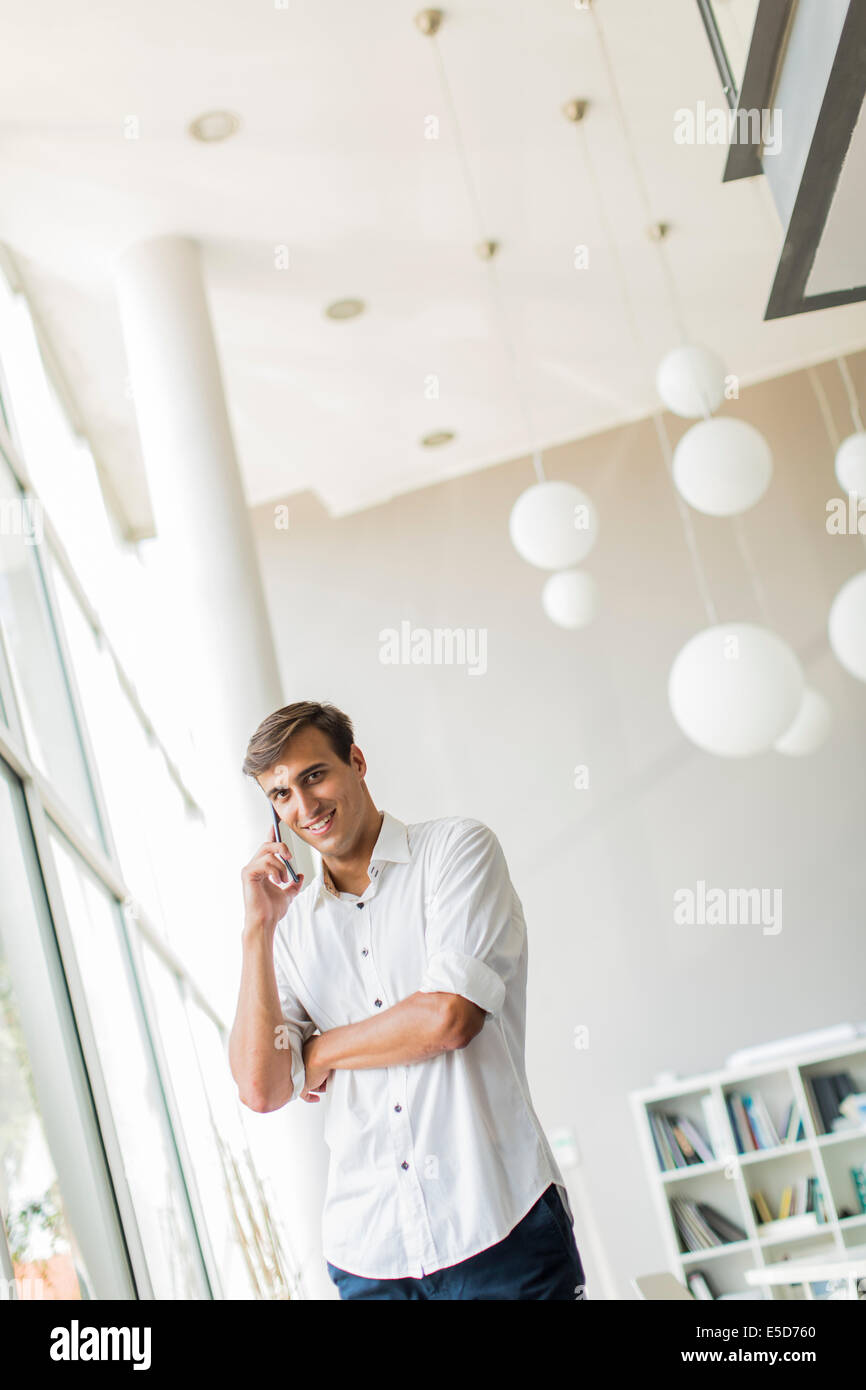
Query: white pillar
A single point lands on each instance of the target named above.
(229, 675)
(199, 505)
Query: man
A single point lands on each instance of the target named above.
(394, 987)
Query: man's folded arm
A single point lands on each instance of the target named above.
(474, 941)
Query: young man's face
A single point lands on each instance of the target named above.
(311, 784)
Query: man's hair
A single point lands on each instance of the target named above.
(266, 746)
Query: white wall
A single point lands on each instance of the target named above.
(596, 869)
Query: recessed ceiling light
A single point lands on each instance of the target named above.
(432, 441)
(214, 125)
(345, 309)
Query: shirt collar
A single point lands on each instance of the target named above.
(392, 846)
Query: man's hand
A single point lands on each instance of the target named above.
(267, 884)
(316, 1075)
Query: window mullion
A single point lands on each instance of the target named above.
(87, 1039)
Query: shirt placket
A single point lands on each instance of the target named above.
(410, 1195)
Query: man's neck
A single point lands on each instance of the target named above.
(351, 876)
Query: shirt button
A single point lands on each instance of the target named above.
(404, 1164)
(359, 906)
(398, 1108)
(365, 952)
(378, 1003)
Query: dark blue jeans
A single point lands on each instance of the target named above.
(537, 1259)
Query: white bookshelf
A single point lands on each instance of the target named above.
(728, 1182)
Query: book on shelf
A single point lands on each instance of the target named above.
(728, 1230)
(825, 1093)
(715, 1125)
(858, 1173)
(793, 1128)
(753, 1126)
(802, 1198)
(761, 1209)
(691, 1140)
(678, 1142)
(701, 1226)
(700, 1286)
(762, 1126)
(746, 1141)
(853, 1109)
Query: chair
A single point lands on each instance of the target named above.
(660, 1286)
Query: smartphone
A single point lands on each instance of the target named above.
(277, 824)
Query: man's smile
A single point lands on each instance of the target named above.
(321, 826)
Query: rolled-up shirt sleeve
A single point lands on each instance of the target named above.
(297, 1026)
(474, 933)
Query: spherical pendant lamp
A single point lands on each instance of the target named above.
(734, 689)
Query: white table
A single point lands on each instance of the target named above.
(850, 1266)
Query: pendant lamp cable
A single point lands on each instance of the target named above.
(607, 230)
(751, 570)
(643, 191)
(639, 338)
(824, 407)
(688, 528)
(739, 535)
(826, 413)
(853, 402)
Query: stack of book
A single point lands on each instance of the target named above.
(701, 1226)
(752, 1126)
(825, 1093)
(678, 1142)
(802, 1200)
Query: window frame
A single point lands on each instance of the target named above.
(72, 1087)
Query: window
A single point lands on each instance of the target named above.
(124, 1162)
(59, 1229)
(254, 1212)
(42, 696)
(246, 1243)
(137, 1103)
(160, 837)
(44, 1259)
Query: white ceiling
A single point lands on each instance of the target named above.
(331, 162)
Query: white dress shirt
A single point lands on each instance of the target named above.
(430, 1162)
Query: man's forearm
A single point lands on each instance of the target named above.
(263, 1072)
(416, 1029)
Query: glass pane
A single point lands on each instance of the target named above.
(46, 1261)
(242, 1271)
(57, 459)
(38, 679)
(157, 834)
(5, 679)
(138, 1109)
(113, 724)
(253, 1208)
